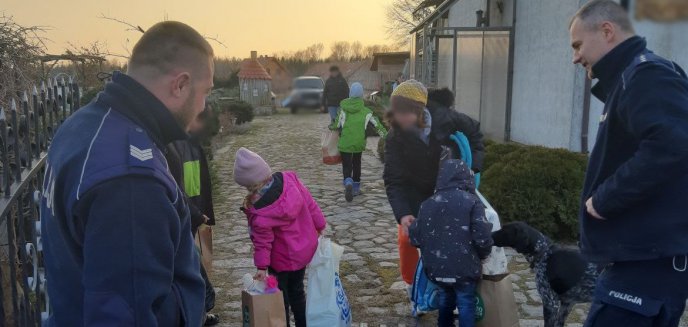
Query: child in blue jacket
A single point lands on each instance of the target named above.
(454, 237)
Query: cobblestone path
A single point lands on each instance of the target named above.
(365, 227)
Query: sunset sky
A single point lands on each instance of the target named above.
(267, 26)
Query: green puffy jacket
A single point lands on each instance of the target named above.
(352, 120)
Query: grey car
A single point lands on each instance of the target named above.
(307, 93)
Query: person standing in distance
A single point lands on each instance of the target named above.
(633, 207)
(116, 228)
(336, 90)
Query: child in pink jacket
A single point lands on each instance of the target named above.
(284, 223)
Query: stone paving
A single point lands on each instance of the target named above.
(364, 227)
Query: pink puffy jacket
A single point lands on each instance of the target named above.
(285, 233)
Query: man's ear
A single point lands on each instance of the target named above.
(608, 30)
(181, 83)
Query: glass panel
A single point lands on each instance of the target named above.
(445, 65)
(468, 73)
(495, 70)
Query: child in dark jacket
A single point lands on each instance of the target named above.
(454, 237)
(284, 223)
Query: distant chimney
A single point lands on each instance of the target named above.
(254, 54)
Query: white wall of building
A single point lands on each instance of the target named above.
(542, 110)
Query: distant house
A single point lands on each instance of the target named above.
(389, 65)
(255, 83)
(281, 77)
(509, 63)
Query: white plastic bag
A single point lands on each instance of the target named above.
(326, 303)
(495, 266)
(330, 148)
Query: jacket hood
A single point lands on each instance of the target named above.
(352, 105)
(455, 173)
(288, 205)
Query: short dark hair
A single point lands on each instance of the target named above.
(168, 44)
(334, 69)
(595, 12)
(443, 96)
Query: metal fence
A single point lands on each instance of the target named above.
(27, 126)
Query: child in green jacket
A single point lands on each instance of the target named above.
(352, 120)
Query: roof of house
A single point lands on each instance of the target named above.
(441, 9)
(265, 59)
(398, 57)
(252, 69)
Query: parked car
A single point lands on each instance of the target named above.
(307, 92)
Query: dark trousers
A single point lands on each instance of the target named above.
(291, 285)
(351, 166)
(649, 293)
(209, 291)
(461, 295)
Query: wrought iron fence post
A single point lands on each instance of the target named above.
(63, 88)
(17, 143)
(27, 130)
(9, 219)
(36, 129)
(5, 158)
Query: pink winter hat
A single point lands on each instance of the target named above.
(250, 169)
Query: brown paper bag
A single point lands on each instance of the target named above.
(501, 309)
(204, 241)
(263, 310)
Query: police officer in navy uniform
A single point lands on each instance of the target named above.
(116, 228)
(634, 212)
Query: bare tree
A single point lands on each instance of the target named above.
(137, 28)
(341, 51)
(20, 47)
(357, 51)
(403, 16)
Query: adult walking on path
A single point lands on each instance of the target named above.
(116, 229)
(188, 165)
(412, 155)
(633, 214)
(336, 90)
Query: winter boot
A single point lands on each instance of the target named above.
(349, 189)
(357, 188)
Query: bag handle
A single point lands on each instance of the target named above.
(466, 155)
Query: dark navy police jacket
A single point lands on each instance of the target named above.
(638, 171)
(115, 227)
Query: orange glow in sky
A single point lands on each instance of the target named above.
(267, 26)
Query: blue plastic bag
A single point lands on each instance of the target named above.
(425, 294)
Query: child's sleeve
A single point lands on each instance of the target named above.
(481, 230)
(416, 230)
(313, 208)
(262, 238)
(379, 127)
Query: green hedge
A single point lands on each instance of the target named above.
(538, 185)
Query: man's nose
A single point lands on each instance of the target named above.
(576, 59)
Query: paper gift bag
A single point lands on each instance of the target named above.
(204, 241)
(330, 148)
(263, 310)
(499, 302)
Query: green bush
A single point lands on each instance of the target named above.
(242, 111)
(494, 152)
(90, 94)
(537, 185)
